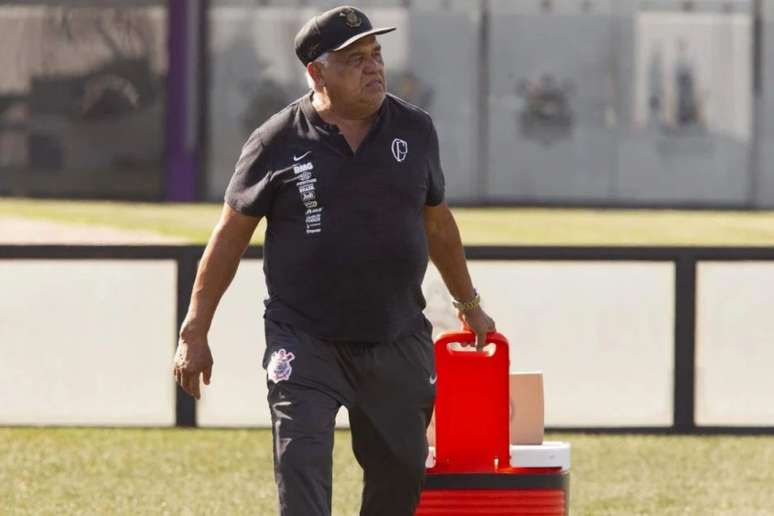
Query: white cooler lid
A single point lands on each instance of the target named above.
(550, 454)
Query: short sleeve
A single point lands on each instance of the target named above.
(435, 180)
(249, 190)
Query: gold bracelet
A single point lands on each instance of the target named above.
(465, 306)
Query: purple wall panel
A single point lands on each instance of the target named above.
(183, 88)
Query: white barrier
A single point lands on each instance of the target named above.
(237, 395)
(735, 344)
(90, 342)
(87, 342)
(601, 332)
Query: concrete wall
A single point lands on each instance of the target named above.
(765, 162)
(614, 148)
(82, 99)
(611, 148)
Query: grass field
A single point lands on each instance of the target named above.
(479, 226)
(177, 471)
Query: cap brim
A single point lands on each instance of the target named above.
(372, 32)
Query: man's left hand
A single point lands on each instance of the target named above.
(477, 321)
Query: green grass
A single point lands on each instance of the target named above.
(190, 222)
(479, 226)
(178, 471)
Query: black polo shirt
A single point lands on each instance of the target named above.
(345, 250)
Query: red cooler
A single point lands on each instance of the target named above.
(473, 469)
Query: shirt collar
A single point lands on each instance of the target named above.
(314, 117)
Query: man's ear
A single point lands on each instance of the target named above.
(315, 71)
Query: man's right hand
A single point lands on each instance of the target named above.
(192, 358)
(216, 270)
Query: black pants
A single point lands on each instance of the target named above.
(389, 390)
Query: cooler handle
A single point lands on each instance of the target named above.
(467, 337)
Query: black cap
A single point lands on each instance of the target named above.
(333, 30)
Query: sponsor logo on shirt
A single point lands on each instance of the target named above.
(313, 220)
(305, 183)
(304, 167)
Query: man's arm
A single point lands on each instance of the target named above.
(216, 270)
(448, 255)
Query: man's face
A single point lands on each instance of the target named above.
(354, 76)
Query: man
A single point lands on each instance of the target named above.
(350, 182)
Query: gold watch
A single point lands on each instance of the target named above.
(466, 306)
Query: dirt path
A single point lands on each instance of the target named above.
(15, 230)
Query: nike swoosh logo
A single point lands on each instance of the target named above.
(301, 156)
(433, 379)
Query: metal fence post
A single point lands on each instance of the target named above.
(685, 343)
(187, 261)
